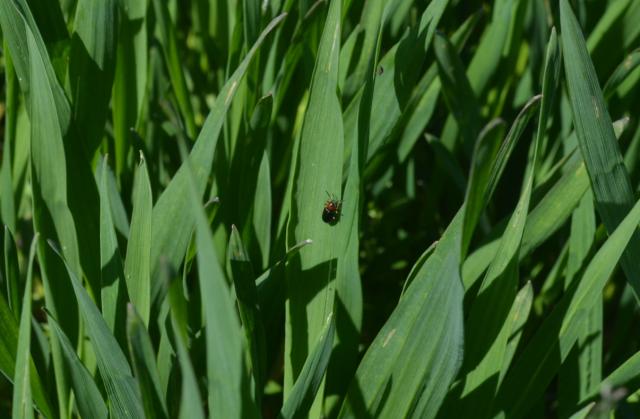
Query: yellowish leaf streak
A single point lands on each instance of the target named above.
(388, 338)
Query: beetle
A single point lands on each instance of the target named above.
(332, 210)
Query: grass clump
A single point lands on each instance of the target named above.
(344, 209)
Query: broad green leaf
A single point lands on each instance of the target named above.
(610, 182)
(172, 220)
(122, 390)
(349, 306)
(308, 382)
(416, 355)
(22, 406)
(144, 366)
(137, 268)
(87, 394)
(311, 274)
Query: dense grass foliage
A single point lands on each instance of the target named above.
(342, 209)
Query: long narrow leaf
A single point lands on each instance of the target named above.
(87, 393)
(311, 274)
(123, 393)
(304, 390)
(22, 404)
(137, 265)
(609, 179)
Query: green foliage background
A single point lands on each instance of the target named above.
(164, 169)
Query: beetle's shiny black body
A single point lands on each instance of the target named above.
(331, 211)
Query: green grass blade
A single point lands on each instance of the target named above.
(22, 404)
(225, 370)
(457, 91)
(609, 179)
(247, 296)
(243, 181)
(190, 401)
(8, 347)
(583, 368)
(118, 211)
(626, 67)
(87, 394)
(550, 80)
(122, 391)
(7, 193)
(172, 220)
(319, 171)
(370, 22)
(262, 216)
(306, 386)
(416, 355)
(517, 319)
(349, 305)
(144, 367)
(169, 42)
(112, 274)
(626, 375)
(91, 67)
(508, 145)
(129, 85)
(11, 272)
(583, 413)
(137, 265)
(484, 154)
(489, 51)
(554, 339)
